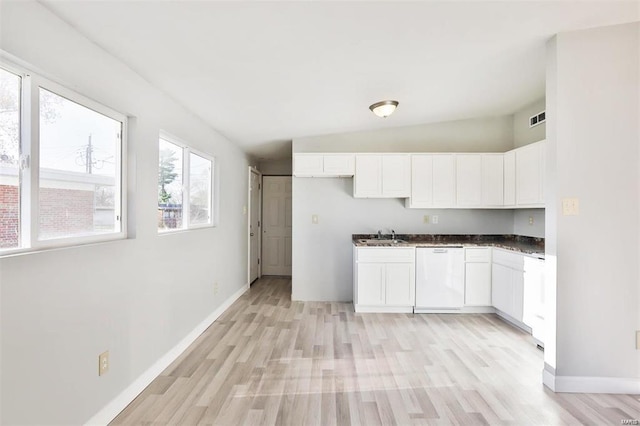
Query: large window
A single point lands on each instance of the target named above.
(185, 186)
(10, 88)
(60, 166)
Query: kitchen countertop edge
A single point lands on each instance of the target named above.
(521, 244)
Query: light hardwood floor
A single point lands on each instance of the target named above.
(268, 360)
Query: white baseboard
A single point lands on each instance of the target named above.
(578, 384)
(119, 403)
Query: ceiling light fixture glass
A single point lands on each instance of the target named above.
(384, 108)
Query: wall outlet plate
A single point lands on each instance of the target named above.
(570, 207)
(425, 218)
(434, 219)
(103, 363)
(638, 339)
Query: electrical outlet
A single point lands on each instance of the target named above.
(215, 288)
(570, 207)
(434, 219)
(425, 218)
(103, 363)
(314, 219)
(530, 220)
(638, 339)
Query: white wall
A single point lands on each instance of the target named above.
(322, 253)
(522, 133)
(522, 225)
(592, 94)
(491, 134)
(281, 167)
(136, 298)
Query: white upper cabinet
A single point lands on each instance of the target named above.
(530, 175)
(323, 165)
(339, 164)
(382, 176)
(421, 181)
(444, 180)
(492, 180)
(396, 175)
(469, 180)
(510, 179)
(433, 180)
(514, 179)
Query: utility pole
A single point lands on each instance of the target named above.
(88, 156)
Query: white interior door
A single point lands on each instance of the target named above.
(254, 225)
(276, 230)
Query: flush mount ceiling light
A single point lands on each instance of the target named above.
(384, 108)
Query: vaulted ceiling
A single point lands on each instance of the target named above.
(263, 73)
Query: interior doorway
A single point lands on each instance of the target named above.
(255, 192)
(276, 230)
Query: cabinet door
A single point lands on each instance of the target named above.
(396, 175)
(501, 289)
(528, 175)
(492, 180)
(399, 284)
(371, 284)
(339, 164)
(469, 180)
(477, 284)
(444, 180)
(421, 180)
(517, 304)
(533, 301)
(368, 177)
(510, 178)
(308, 165)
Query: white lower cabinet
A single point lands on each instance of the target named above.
(370, 285)
(534, 297)
(507, 281)
(384, 279)
(477, 277)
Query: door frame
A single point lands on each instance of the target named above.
(254, 170)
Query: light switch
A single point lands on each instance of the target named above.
(425, 219)
(314, 219)
(570, 207)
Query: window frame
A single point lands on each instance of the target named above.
(187, 150)
(29, 163)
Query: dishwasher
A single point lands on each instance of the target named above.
(439, 279)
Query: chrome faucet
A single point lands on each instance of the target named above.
(393, 235)
(379, 234)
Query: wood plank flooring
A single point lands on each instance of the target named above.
(270, 361)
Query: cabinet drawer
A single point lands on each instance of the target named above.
(507, 258)
(384, 254)
(480, 254)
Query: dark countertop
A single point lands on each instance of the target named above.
(517, 243)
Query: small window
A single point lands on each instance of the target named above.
(185, 187)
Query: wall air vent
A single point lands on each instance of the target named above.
(540, 117)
